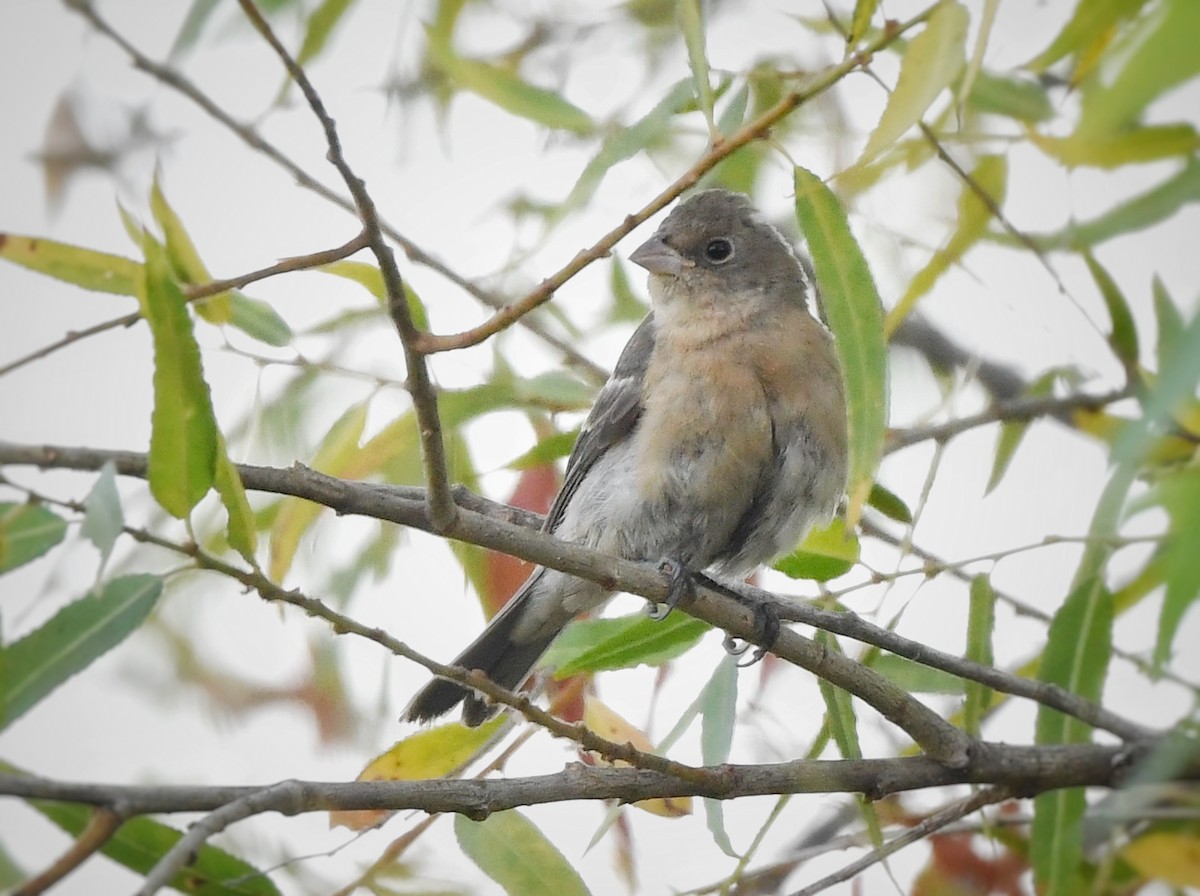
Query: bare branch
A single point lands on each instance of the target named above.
(1028, 770)
(929, 825)
(755, 130)
(420, 387)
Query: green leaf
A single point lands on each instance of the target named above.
(825, 554)
(1169, 320)
(26, 532)
(141, 842)
(103, 519)
(1078, 648)
(915, 677)
(597, 645)
(75, 636)
(1016, 98)
(889, 504)
(86, 268)
(371, 278)
(241, 528)
(1089, 27)
(981, 627)
(839, 710)
(258, 320)
(508, 91)
(184, 436)
(184, 257)
(319, 27)
(718, 713)
(1180, 495)
(1146, 144)
(1139, 213)
(1155, 54)
(860, 21)
(510, 850)
(974, 216)
(691, 22)
(855, 314)
(1123, 338)
(932, 61)
(626, 142)
(1012, 432)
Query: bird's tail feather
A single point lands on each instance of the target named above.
(496, 655)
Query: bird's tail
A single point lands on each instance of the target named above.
(495, 654)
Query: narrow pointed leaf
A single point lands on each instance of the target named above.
(931, 63)
(691, 22)
(185, 258)
(85, 268)
(510, 850)
(1123, 337)
(855, 314)
(26, 532)
(241, 528)
(103, 519)
(258, 320)
(183, 437)
(981, 625)
(75, 636)
(598, 645)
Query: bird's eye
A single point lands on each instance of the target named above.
(718, 251)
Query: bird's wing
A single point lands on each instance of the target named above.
(612, 418)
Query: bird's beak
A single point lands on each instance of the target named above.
(659, 258)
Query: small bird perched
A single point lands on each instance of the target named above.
(718, 440)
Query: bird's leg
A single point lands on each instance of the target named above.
(681, 588)
(766, 624)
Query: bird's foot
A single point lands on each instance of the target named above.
(682, 587)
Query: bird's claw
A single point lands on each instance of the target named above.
(682, 588)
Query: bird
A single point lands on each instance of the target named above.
(717, 442)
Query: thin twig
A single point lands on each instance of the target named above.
(1057, 406)
(194, 292)
(420, 386)
(754, 130)
(248, 135)
(932, 823)
(99, 830)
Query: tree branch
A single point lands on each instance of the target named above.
(420, 387)
(1027, 770)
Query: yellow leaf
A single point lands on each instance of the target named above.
(931, 63)
(609, 725)
(427, 754)
(1171, 856)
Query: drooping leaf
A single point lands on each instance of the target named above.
(974, 216)
(1123, 337)
(509, 91)
(1090, 28)
(185, 258)
(183, 436)
(981, 626)
(855, 314)
(718, 709)
(510, 850)
(258, 320)
(74, 637)
(1153, 55)
(103, 519)
(371, 278)
(425, 755)
(26, 532)
(241, 528)
(1078, 648)
(931, 62)
(1180, 495)
(1012, 432)
(1144, 144)
(691, 23)
(601, 718)
(319, 27)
